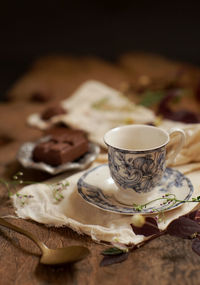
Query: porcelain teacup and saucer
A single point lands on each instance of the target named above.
(136, 172)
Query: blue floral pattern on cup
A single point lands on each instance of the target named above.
(139, 171)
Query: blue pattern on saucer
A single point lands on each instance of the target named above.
(173, 182)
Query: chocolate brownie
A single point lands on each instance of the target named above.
(40, 97)
(53, 111)
(62, 147)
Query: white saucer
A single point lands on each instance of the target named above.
(98, 188)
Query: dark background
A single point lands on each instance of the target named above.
(29, 29)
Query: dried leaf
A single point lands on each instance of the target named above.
(112, 259)
(195, 215)
(196, 246)
(197, 93)
(151, 97)
(184, 116)
(149, 228)
(112, 251)
(183, 227)
(172, 97)
(191, 215)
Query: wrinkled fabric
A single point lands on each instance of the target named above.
(96, 108)
(73, 211)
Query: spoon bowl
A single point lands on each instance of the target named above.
(63, 255)
(52, 256)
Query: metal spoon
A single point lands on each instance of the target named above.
(52, 256)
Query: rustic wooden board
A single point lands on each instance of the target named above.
(165, 260)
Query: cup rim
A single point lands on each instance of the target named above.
(135, 150)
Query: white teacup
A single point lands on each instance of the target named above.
(137, 159)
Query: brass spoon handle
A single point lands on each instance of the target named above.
(6, 224)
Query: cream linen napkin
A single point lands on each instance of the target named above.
(84, 218)
(96, 108)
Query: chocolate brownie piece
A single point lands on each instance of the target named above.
(61, 148)
(40, 97)
(53, 111)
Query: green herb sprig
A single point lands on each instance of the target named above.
(100, 103)
(11, 187)
(151, 97)
(168, 200)
(23, 198)
(57, 189)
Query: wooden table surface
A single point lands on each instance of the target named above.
(166, 260)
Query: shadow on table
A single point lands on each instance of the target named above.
(14, 241)
(62, 274)
(28, 174)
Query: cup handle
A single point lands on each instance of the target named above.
(178, 145)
